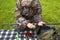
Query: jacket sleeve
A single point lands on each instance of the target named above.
(19, 18)
(38, 16)
(22, 22)
(17, 9)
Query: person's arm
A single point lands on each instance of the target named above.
(19, 18)
(22, 22)
(17, 9)
(38, 16)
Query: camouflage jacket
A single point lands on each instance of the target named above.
(22, 20)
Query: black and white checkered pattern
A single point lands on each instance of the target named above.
(11, 35)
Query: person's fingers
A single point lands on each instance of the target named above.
(31, 26)
(41, 23)
(28, 24)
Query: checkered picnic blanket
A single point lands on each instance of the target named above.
(11, 35)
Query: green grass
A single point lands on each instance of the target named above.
(50, 11)
(7, 8)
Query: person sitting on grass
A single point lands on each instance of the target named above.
(27, 13)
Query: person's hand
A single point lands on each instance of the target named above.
(41, 23)
(30, 26)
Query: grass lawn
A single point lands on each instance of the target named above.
(50, 11)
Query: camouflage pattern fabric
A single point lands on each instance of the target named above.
(22, 20)
(48, 33)
(27, 14)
